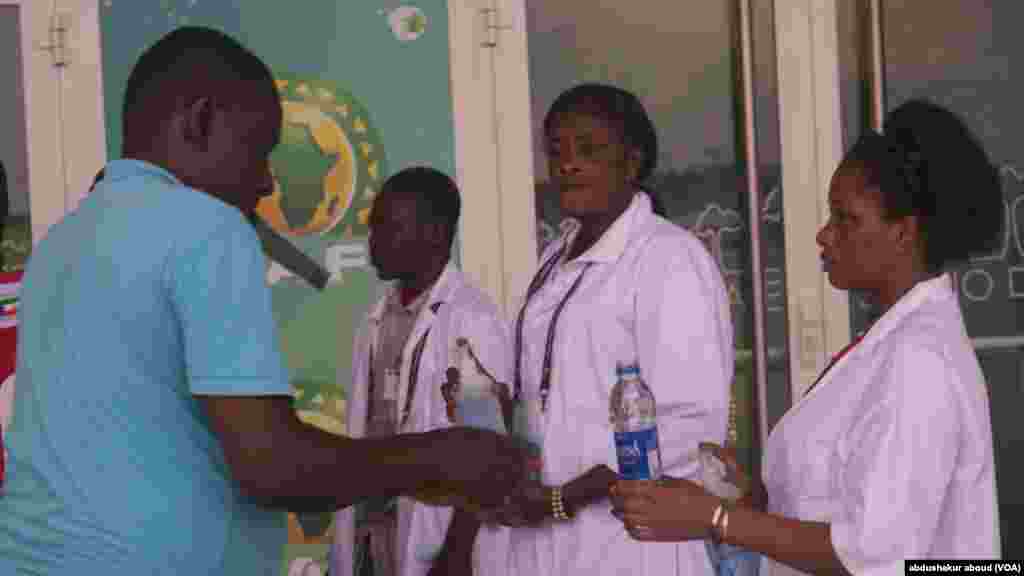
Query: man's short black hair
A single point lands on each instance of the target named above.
(437, 196)
(188, 63)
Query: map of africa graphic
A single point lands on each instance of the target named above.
(327, 168)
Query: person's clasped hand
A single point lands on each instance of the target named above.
(481, 466)
(665, 510)
(675, 509)
(528, 504)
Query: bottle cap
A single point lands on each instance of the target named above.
(631, 369)
(473, 382)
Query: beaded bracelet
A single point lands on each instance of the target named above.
(558, 505)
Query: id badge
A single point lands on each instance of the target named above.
(387, 414)
(390, 391)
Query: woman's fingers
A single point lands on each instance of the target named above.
(641, 530)
(635, 510)
(633, 488)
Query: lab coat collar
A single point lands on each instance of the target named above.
(933, 290)
(936, 289)
(612, 244)
(443, 290)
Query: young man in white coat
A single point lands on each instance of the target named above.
(400, 359)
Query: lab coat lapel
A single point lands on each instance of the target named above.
(934, 289)
(341, 558)
(366, 344)
(440, 294)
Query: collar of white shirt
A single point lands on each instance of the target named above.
(439, 292)
(937, 288)
(612, 244)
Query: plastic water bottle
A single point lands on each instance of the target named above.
(477, 404)
(633, 414)
(726, 559)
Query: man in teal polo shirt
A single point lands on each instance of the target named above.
(152, 430)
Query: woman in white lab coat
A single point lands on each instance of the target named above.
(889, 455)
(620, 284)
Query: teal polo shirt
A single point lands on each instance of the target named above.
(148, 294)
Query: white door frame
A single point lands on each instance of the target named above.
(64, 124)
(43, 152)
(498, 244)
(810, 122)
(84, 135)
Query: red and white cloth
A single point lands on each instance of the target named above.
(10, 283)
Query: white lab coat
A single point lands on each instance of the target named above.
(463, 312)
(893, 446)
(653, 294)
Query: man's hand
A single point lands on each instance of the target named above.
(529, 505)
(477, 467)
(452, 565)
(456, 557)
(281, 462)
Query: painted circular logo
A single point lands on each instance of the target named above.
(407, 23)
(327, 166)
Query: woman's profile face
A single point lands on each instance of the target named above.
(589, 163)
(857, 246)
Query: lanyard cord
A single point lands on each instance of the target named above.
(538, 281)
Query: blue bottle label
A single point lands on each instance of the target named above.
(637, 451)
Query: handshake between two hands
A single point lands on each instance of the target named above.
(477, 404)
(664, 510)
